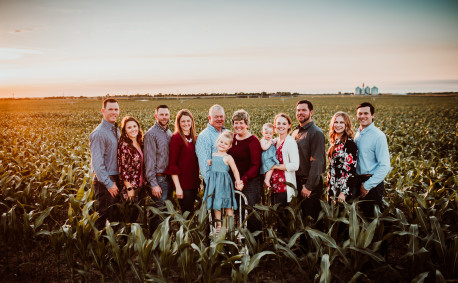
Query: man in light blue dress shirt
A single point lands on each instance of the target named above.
(373, 160)
(206, 141)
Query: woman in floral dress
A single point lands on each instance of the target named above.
(342, 155)
(130, 161)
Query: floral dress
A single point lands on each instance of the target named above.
(131, 169)
(278, 176)
(342, 168)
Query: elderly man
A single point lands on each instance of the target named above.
(206, 141)
(156, 157)
(373, 159)
(103, 142)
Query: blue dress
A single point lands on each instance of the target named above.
(220, 186)
(269, 159)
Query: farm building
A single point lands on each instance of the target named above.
(366, 90)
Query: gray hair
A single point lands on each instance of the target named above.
(214, 108)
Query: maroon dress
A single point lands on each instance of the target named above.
(183, 162)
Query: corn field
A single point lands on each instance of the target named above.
(47, 206)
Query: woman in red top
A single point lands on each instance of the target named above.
(246, 151)
(183, 165)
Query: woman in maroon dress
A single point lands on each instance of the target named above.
(183, 165)
(246, 151)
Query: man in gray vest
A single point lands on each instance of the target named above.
(103, 142)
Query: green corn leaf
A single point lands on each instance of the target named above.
(325, 273)
(254, 261)
(420, 278)
(42, 217)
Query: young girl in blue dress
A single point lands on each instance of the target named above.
(219, 192)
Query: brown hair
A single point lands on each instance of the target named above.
(286, 116)
(348, 133)
(109, 100)
(240, 115)
(124, 137)
(192, 131)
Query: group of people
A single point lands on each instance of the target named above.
(129, 165)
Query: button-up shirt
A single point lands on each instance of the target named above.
(103, 143)
(312, 156)
(156, 152)
(205, 146)
(373, 155)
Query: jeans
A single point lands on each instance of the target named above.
(106, 204)
(374, 197)
(311, 206)
(165, 183)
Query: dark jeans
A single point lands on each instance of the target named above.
(310, 206)
(252, 191)
(282, 199)
(165, 183)
(374, 197)
(106, 204)
(188, 201)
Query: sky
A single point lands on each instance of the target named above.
(93, 48)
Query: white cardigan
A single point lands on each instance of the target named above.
(290, 154)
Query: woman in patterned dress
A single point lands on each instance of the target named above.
(130, 161)
(343, 155)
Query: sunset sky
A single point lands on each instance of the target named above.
(73, 48)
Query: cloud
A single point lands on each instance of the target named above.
(16, 53)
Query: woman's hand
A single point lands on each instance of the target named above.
(131, 194)
(341, 197)
(179, 192)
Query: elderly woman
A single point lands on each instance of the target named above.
(246, 151)
(183, 165)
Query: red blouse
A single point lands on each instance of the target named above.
(278, 176)
(183, 162)
(247, 156)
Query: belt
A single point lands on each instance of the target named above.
(160, 174)
(113, 178)
(363, 177)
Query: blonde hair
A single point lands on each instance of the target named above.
(268, 126)
(226, 134)
(192, 131)
(348, 133)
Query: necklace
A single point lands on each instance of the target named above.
(189, 140)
